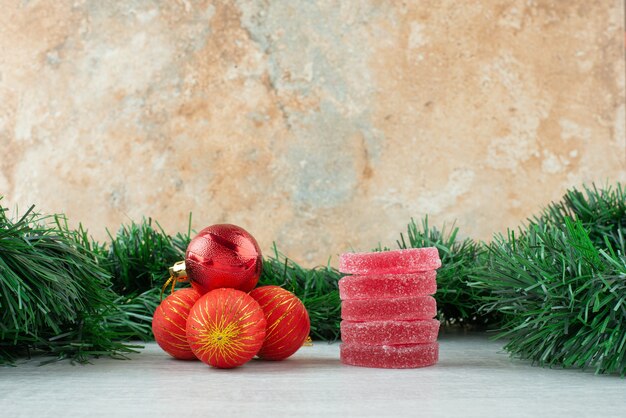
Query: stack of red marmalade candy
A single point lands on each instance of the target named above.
(387, 308)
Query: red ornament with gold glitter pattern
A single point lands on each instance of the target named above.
(288, 323)
(223, 255)
(226, 328)
(169, 323)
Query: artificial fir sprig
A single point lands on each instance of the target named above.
(316, 287)
(602, 212)
(457, 302)
(137, 260)
(139, 255)
(563, 296)
(53, 297)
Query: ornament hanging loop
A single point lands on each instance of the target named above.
(178, 273)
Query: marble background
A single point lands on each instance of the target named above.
(322, 125)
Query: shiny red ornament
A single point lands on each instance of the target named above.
(169, 323)
(223, 256)
(288, 323)
(226, 328)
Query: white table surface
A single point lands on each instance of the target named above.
(474, 378)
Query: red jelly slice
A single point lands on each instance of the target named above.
(389, 332)
(390, 356)
(388, 285)
(420, 307)
(398, 261)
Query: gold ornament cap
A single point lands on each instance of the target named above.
(178, 273)
(178, 270)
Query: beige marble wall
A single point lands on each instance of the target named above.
(323, 125)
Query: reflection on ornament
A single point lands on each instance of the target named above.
(223, 256)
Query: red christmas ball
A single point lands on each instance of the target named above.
(169, 323)
(226, 328)
(223, 255)
(288, 323)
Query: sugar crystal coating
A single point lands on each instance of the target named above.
(388, 285)
(390, 356)
(420, 307)
(389, 332)
(398, 261)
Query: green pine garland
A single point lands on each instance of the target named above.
(563, 297)
(560, 283)
(457, 302)
(138, 258)
(53, 297)
(317, 288)
(555, 289)
(602, 212)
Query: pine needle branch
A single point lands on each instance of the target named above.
(53, 297)
(457, 302)
(317, 288)
(563, 297)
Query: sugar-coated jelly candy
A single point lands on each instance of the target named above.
(388, 285)
(390, 356)
(389, 332)
(398, 261)
(420, 307)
